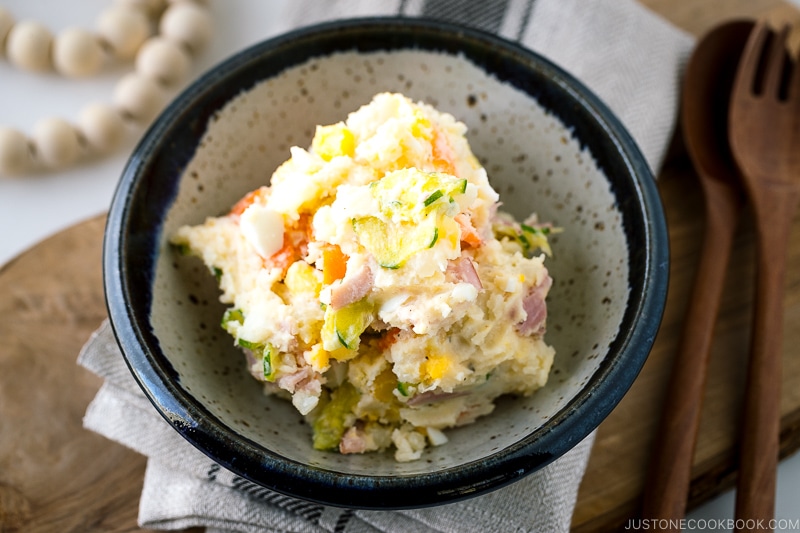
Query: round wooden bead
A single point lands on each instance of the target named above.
(15, 156)
(152, 7)
(124, 29)
(102, 126)
(198, 2)
(188, 24)
(28, 46)
(163, 60)
(77, 53)
(56, 142)
(138, 97)
(6, 22)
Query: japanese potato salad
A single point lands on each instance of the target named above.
(375, 284)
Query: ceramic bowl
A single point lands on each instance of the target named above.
(549, 146)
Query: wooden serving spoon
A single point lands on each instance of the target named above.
(704, 117)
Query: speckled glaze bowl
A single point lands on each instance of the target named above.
(549, 146)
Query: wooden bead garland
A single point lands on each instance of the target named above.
(163, 60)
(124, 32)
(6, 22)
(138, 97)
(28, 46)
(14, 151)
(124, 29)
(102, 126)
(56, 142)
(188, 24)
(77, 53)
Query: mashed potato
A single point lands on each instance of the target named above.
(375, 284)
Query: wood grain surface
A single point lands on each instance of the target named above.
(611, 491)
(607, 499)
(54, 475)
(57, 477)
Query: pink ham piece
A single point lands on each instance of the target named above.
(463, 270)
(353, 441)
(305, 379)
(352, 287)
(255, 371)
(535, 309)
(433, 397)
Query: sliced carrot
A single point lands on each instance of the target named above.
(388, 338)
(469, 235)
(246, 201)
(334, 264)
(295, 245)
(307, 224)
(442, 154)
(284, 257)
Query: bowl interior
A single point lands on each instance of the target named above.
(543, 153)
(532, 161)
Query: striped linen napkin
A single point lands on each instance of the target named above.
(631, 59)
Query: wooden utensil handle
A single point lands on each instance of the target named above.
(671, 464)
(755, 498)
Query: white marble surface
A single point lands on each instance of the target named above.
(33, 208)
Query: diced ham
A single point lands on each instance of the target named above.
(289, 382)
(353, 287)
(536, 312)
(305, 386)
(354, 440)
(433, 397)
(493, 210)
(312, 386)
(463, 270)
(254, 365)
(305, 379)
(535, 309)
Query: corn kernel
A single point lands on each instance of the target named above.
(436, 366)
(332, 141)
(343, 354)
(449, 231)
(421, 128)
(303, 278)
(318, 358)
(384, 385)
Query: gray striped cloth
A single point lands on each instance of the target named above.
(627, 55)
(633, 61)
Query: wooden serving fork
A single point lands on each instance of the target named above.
(764, 135)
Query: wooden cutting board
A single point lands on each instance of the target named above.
(57, 477)
(611, 491)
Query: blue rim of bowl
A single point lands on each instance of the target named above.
(128, 276)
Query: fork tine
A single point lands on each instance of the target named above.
(793, 92)
(775, 63)
(748, 64)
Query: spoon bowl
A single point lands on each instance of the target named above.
(704, 117)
